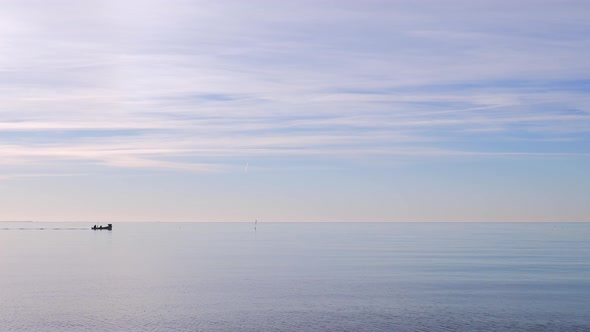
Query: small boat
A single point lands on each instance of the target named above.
(108, 227)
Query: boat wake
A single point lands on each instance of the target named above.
(44, 229)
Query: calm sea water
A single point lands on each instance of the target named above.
(295, 277)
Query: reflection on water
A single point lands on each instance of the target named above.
(295, 277)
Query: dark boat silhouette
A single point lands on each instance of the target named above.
(107, 227)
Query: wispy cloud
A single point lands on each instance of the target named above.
(204, 81)
(35, 175)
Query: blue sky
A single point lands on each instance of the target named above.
(295, 111)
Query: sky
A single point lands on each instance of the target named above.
(227, 110)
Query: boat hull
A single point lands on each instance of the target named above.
(109, 227)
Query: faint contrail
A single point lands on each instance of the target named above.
(246, 168)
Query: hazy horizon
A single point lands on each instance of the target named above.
(104, 222)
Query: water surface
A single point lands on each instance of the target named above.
(295, 277)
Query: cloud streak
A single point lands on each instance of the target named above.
(130, 85)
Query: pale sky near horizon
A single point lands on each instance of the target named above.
(169, 110)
